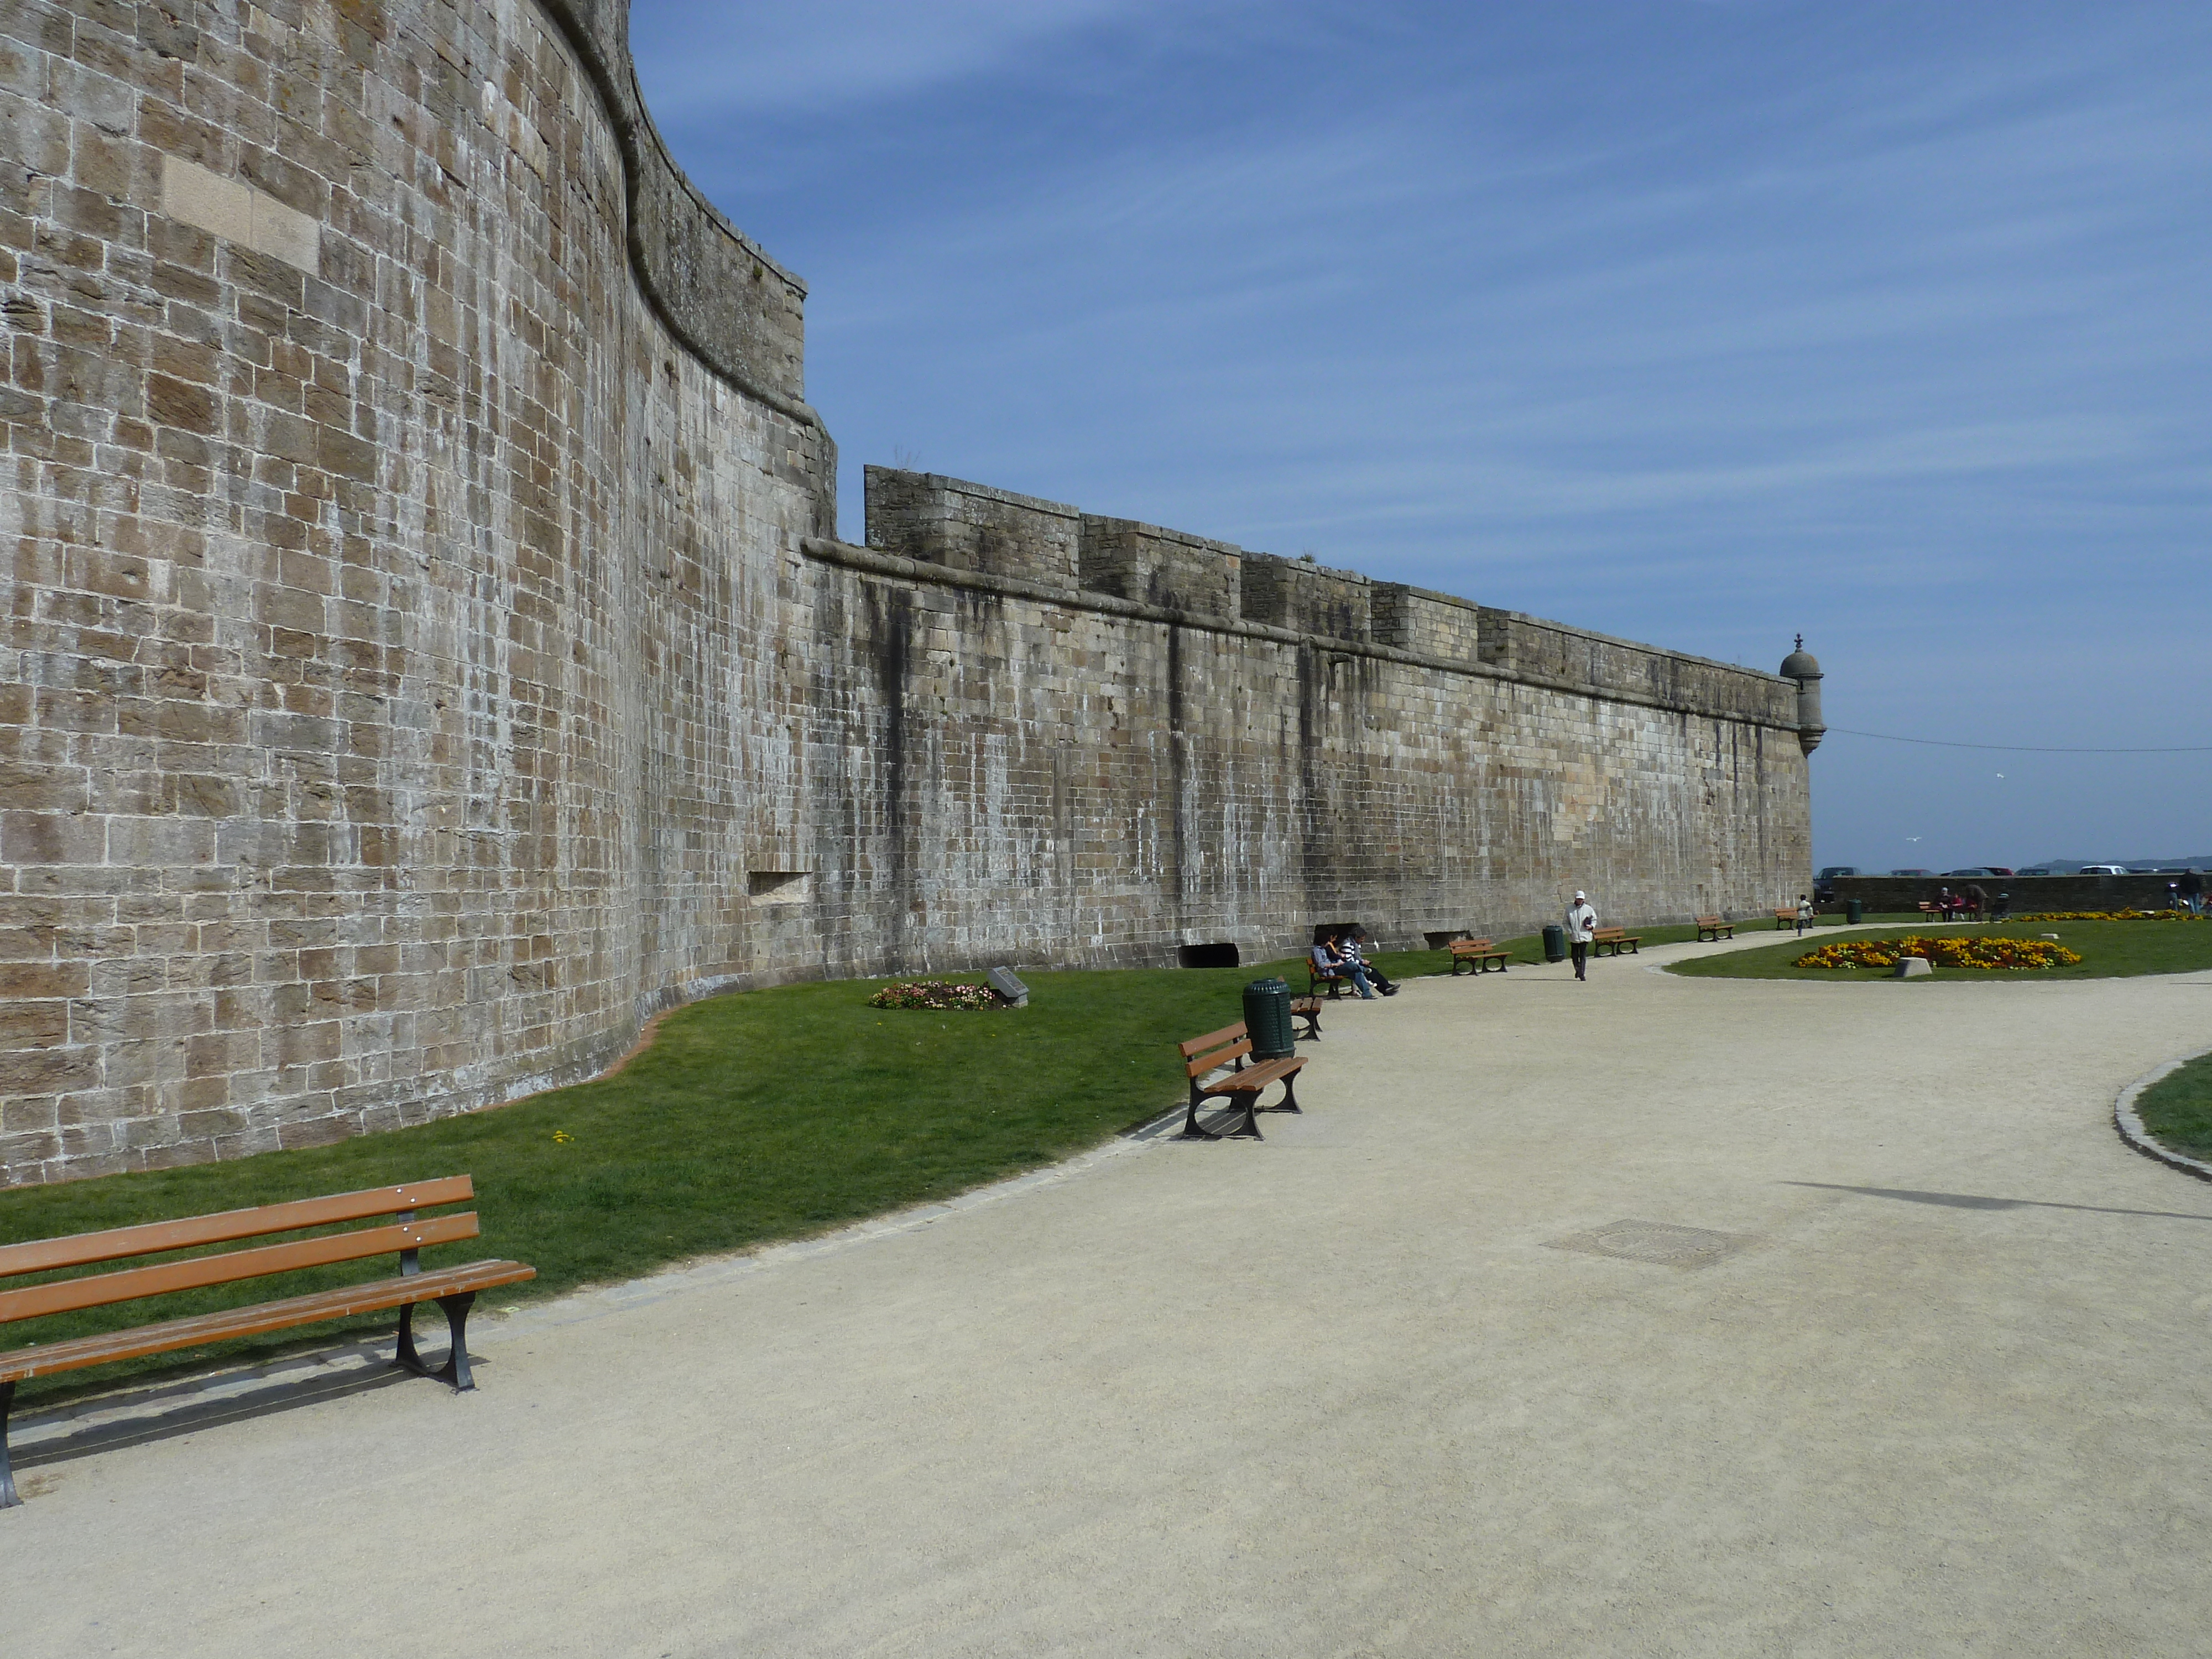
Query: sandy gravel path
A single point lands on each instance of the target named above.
(1928, 1373)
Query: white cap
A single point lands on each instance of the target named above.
(1579, 896)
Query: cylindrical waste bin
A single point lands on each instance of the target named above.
(1852, 911)
(1555, 942)
(1267, 1019)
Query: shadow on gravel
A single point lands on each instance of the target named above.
(1970, 1201)
(174, 1406)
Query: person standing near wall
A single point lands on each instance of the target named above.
(1581, 922)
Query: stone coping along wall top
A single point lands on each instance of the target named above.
(955, 532)
(738, 311)
(876, 561)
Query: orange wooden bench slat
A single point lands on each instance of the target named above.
(1212, 1040)
(83, 1249)
(1253, 1078)
(69, 1295)
(1199, 1065)
(320, 1305)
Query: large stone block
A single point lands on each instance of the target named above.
(971, 526)
(1167, 567)
(1303, 596)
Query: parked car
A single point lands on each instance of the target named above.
(1912, 873)
(2040, 870)
(2103, 869)
(1977, 870)
(1824, 884)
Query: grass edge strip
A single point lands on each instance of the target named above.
(2130, 1123)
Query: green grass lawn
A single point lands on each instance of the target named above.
(2177, 1109)
(2109, 949)
(755, 1117)
(752, 1118)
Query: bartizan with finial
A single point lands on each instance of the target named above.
(1803, 667)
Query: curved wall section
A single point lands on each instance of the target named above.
(374, 709)
(733, 306)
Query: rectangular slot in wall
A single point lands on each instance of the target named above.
(778, 886)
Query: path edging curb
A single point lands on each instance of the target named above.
(2130, 1123)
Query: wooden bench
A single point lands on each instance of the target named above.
(1961, 912)
(1784, 919)
(1714, 929)
(1612, 941)
(1476, 955)
(1315, 979)
(454, 1289)
(1308, 1009)
(1242, 1087)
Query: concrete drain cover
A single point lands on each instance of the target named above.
(1654, 1241)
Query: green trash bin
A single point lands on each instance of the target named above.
(1555, 942)
(1852, 911)
(1267, 1019)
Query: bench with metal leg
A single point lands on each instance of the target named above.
(1240, 1084)
(454, 1289)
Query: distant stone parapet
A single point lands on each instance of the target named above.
(1041, 546)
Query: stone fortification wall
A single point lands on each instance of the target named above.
(430, 651)
(1058, 735)
(396, 461)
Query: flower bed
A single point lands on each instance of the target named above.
(1984, 953)
(2110, 916)
(933, 993)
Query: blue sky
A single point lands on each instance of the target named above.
(1698, 321)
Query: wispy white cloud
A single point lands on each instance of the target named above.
(1689, 321)
(818, 57)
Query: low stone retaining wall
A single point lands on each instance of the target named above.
(2029, 893)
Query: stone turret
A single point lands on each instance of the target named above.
(1803, 667)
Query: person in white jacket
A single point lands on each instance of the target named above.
(1581, 922)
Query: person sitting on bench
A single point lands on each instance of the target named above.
(1328, 964)
(1352, 949)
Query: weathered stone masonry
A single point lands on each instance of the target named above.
(429, 651)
